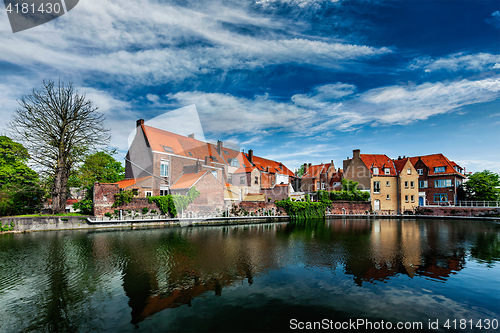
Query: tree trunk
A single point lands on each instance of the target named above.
(60, 188)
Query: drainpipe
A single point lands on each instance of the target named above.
(398, 196)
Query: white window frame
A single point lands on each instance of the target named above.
(387, 171)
(164, 164)
(408, 171)
(149, 193)
(375, 187)
(375, 171)
(420, 172)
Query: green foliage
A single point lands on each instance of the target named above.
(176, 202)
(145, 210)
(165, 204)
(124, 197)
(108, 214)
(7, 227)
(484, 185)
(20, 191)
(349, 192)
(98, 167)
(301, 171)
(302, 210)
(85, 206)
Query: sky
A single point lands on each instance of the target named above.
(297, 81)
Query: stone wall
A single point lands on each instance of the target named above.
(459, 211)
(279, 192)
(350, 208)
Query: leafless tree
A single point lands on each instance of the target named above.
(59, 127)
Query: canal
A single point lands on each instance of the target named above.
(263, 277)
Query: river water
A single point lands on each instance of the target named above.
(263, 277)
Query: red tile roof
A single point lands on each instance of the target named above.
(129, 182)
(400, 164)
(437, 160)
(314, 171)
(187, 180)
(379, 161)
(274, 167)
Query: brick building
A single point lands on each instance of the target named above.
(440, 180)
(392, 183)
(158, 161)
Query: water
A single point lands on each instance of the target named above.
(252, 278)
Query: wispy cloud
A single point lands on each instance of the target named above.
(458, 61)
(495, 19)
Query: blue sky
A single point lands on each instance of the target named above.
(295, 80)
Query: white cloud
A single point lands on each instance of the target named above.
(458, 61)
(309, 114)
(145, 41)
(495, 19)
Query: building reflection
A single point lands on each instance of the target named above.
(171, 268)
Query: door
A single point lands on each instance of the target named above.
(376, 205)
(420, 201)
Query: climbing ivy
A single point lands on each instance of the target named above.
(124, 197)
(173, 203)
(165, 204)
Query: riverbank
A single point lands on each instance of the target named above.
(32, 224)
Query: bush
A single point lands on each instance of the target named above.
(302, 210)
(124, 197)
(145, 210)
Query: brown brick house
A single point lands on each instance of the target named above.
(317, 177)
(167, 158)
(440, 179)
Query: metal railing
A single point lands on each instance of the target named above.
(466, 203)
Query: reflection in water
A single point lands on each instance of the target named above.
(68, 281)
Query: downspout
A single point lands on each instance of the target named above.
(398, 196)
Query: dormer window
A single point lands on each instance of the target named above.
(439, 169)
(375, 171)
(420, 171)
(226, 152)
(213, 158)
(387, 171)
(235, 163)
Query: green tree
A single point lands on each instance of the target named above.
(484, 185)
(59, 127)
(301, 171)
(98, 167)
(19, 187)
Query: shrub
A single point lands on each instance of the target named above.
(145, 210)
(124, 197)
(108, 214)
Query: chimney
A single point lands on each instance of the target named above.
(305, 168)
(309, 165)
(356, 153)
(139, 123)
(197, 166)
(250, 155)
(207, 160)
(281, 166)
(191, 136)
(399, 158)
(267, 169)
(219, 147)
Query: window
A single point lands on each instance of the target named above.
(408, 171)
(164, 168)
(375, 171)
(406, 184)
(406, 198)
(272, 182)
(242, 180)
(420, 171)
(388, 183)
(376, 187)
(190, 154)
(388, 197)
(214, 173)
(442, 183)
(168, 149)
(322, 186)
(256, 180)
(230, 178)
(226, 152)
(412, 184)
(439, 169)
(149, 193)
(163, 192)
(135, 191)
(412, 198)
(235, 163)
(422, 184)
(442, 197)
(458, 183)
(387, 171)
(213, 158)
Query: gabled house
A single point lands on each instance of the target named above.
(159, 162)
(392, 185)
(317, 177)
(440, 180)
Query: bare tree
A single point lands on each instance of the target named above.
(59, 127)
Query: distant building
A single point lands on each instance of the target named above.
(317, 177)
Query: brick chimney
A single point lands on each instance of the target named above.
(250, 156)
(219, 147)
(207, 160)
(305, 168)
(139, 123)
(356, 153)
(197, 169)
(191, 136)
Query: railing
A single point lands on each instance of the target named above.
(467, 203)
